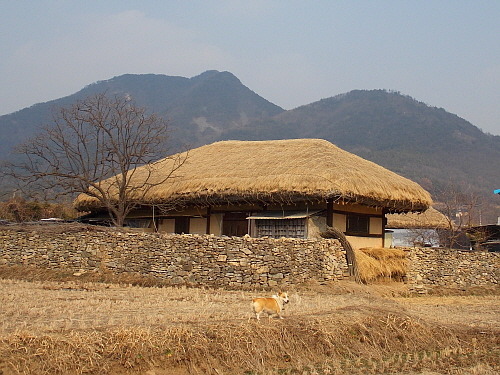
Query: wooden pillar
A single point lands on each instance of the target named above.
(209, 212)
(329, 213)
(384, 223)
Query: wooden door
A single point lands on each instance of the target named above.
(234, 224)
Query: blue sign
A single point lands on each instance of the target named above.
(497, 191)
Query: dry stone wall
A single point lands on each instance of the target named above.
(197, 260)
(437, 267)
(231, 262)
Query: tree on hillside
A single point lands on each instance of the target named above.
(95, 147)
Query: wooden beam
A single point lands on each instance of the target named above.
(209, 213)
(384, 223)
(329, 213)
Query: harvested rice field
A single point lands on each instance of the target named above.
(88, 327)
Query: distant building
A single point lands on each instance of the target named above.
(415, 229)
(497, 191)
(485, 237)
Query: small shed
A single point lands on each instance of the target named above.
(485, 237)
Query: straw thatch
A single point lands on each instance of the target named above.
(429, 219)
(283, 171)
(379, 263)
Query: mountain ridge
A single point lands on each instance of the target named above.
(202, 105)
(424, 143)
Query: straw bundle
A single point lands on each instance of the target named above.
(429, 219)
(283, 171)
(378, 263)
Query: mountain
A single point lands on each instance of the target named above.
(198, 108)
(437, 149)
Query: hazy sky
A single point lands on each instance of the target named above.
(444, 53)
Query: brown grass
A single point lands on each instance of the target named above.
(77, 327)
(379, 263)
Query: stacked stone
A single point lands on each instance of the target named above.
(431, 267)
(234, 262)
(197, 260)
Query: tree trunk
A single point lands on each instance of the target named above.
(349, 252)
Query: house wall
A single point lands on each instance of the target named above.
(315, 224)
(216, 224)
(339, 221)
(388, 240)
(198, 225)
(376, 225)
(166, 225)
(360, 242)
(318, 225)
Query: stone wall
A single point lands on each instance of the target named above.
(234, 262)
(197, 260)
(437, 267)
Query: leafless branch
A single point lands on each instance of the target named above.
(96, 139)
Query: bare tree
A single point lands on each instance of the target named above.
(462, 208)
(423, 236)
(95, 147)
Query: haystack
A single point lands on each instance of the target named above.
(282, 171)
(380, 263)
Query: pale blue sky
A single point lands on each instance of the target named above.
(444, 53)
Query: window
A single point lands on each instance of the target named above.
(277, 228)
(358, 225)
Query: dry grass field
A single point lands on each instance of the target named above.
(80, 326)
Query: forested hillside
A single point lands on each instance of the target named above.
(437, 149)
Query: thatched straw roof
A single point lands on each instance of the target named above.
(281, 171)
(430, 218)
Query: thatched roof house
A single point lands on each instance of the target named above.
(296, 179)
(415, 229)
(429, 219)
